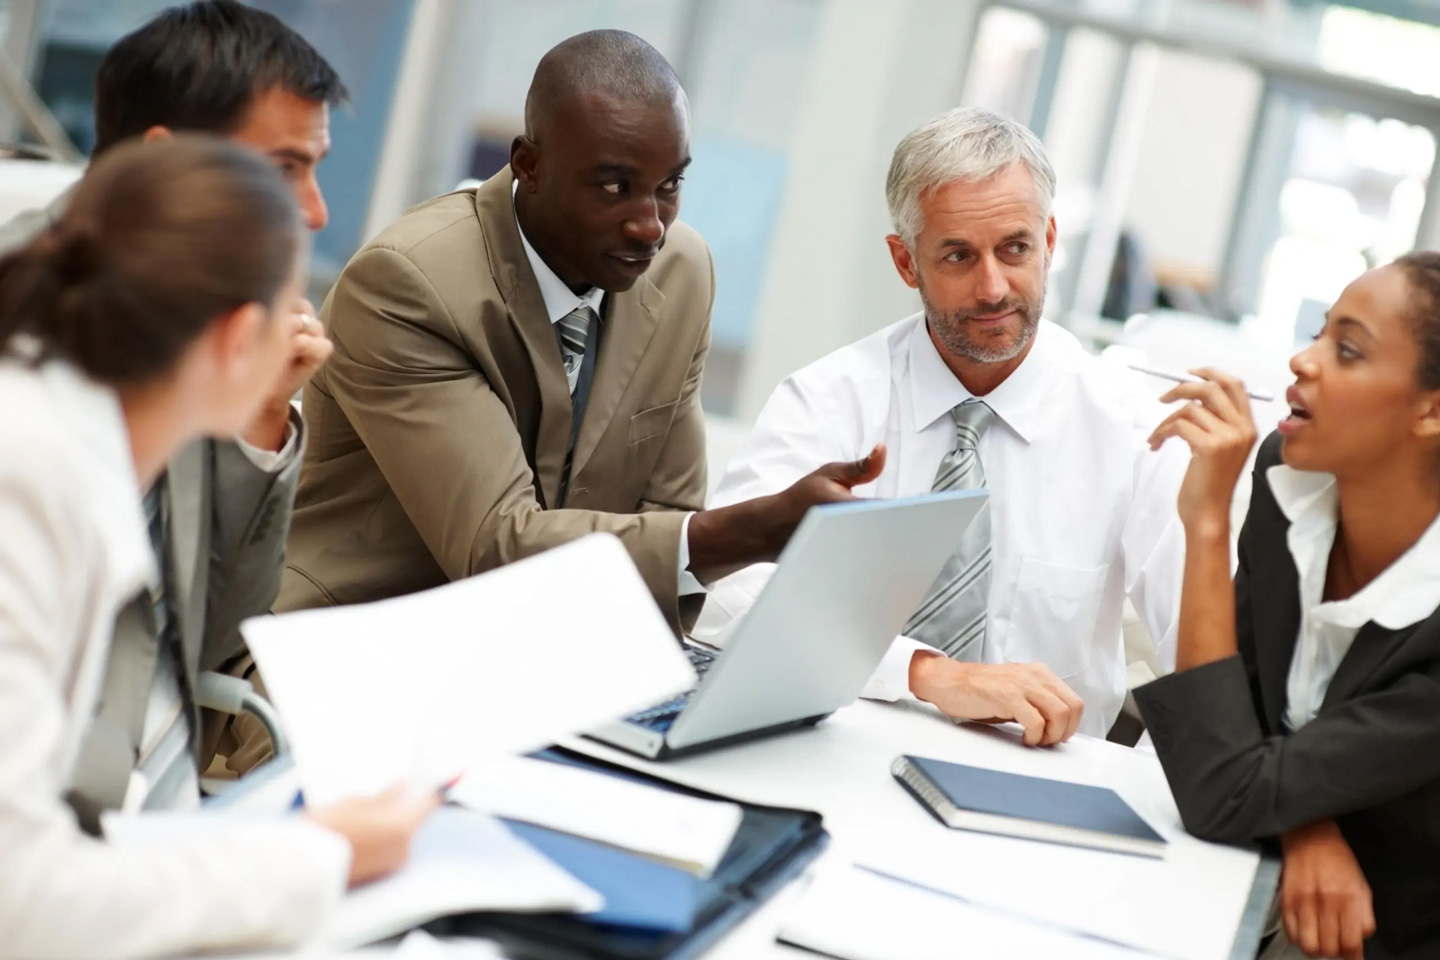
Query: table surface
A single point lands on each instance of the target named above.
(1201, 902)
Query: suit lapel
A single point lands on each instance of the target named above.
(631, 321)
(189, 508)
(1373, 645)
(1277, 630)
(510, 267)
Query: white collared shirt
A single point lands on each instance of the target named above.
(1082, 513)
(1404, 593)
(560, 300)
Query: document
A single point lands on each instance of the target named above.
(421, 688)
(687, 832)
(460, 861)
(854, 914)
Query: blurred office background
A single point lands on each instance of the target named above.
(1225, 166)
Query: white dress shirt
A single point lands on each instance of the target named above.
(1082, 513)
(75, 550)
(1404, 593)
(560, 302)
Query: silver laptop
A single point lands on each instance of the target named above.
(848, 580)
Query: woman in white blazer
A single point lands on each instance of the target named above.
(148, 316)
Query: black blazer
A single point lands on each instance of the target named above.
(1370, 759)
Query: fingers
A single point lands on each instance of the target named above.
(1351, 931)
(1030, 718)
(1234, 388)
(1308, 927)
(1070, 698)
(1056, 714)
(1184, 428)
(1211, 392)
(1193, 413)
(1327, 923)
(857, 472)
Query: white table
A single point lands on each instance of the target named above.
(842, 770)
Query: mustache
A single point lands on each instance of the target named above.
(1007, 305)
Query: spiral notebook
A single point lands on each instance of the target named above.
(1030, 808)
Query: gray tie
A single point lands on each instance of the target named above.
(951, 618)
(574, 330)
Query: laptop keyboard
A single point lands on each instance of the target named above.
(662, 716)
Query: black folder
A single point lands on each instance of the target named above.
(772, 846)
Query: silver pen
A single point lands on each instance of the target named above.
(1256, 395)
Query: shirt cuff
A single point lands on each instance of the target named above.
(891, 680)
(273, 461)
(689, 583)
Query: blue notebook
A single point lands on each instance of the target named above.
(1031, 808)
(640, 894)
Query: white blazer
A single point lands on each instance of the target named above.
(74, 549)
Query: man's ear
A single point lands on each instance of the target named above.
(157, 132)
(904, 260)
(1051, 232)
(525, 162)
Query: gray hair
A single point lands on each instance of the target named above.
(965, 144)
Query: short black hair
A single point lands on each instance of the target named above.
(199, 66)
(613, 63)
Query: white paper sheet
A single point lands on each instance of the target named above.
(460, 861)
(854, 914)
(421, 688)
(1138, 901)
(686, 831)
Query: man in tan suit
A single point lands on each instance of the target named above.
(519, 364)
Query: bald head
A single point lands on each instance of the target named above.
(610, 64)
(606, 145)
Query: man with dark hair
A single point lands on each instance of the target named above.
(220, 513)
(222, 67)
(519, 365)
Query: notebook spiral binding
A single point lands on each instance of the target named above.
(923, 787)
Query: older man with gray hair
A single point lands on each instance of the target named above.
(977, 390)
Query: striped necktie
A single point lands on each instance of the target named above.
(574, 329)
(951, 618)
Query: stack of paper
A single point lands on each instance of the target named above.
(460, 861)
(854, 914)
(687, 832)
(424, 687)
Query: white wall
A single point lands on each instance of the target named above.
(877, 71)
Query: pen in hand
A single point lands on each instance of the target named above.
(1256, 395)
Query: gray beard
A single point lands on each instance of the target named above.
(952, 331)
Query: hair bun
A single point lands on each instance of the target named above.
(74, 252)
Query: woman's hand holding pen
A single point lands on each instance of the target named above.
(1216, 422)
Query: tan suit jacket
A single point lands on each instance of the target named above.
(439, 428)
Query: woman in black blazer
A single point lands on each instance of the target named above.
(1305, 706)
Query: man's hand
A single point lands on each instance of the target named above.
(831, 483)
(1324, 897)
(310, 347)
(1027, 693)
(726, 539)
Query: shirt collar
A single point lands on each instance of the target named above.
(1404, 593)
(935, 390)
(559, 299)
